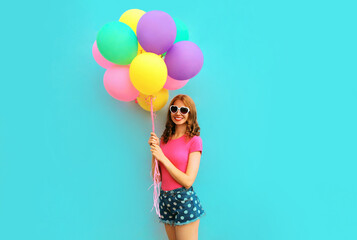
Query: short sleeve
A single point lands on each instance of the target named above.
(196, 145)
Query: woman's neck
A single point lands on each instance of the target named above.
(180, 130)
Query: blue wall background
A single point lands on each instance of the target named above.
(276, 101)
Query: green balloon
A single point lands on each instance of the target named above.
(117, 43)
(182, 31)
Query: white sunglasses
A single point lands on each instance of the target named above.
(183, 110)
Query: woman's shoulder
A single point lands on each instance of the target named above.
(195, 144)
(195, 139)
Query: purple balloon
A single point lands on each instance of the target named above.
(184, 60)
(156, 31)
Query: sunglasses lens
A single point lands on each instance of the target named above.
(184, 110)
(173, 109)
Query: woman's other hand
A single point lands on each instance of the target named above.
(157, 153)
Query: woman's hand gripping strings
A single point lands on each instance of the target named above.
(157, 153)
(155, 148)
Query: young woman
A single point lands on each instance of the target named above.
(178, 152)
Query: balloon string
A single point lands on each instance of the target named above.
(156, 171)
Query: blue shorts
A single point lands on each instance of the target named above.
(180, 206)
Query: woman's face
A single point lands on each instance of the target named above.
(178, 118)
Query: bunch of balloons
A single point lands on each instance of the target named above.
(146, 54)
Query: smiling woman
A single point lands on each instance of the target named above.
(179, 156)
(181, 119)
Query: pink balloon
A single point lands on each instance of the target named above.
(99, 58)
(118, 85)
(173, 84)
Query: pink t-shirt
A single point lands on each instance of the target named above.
(177, 151)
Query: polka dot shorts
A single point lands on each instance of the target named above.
(180, 206)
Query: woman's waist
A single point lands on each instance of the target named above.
(175, 191)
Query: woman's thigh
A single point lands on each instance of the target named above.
(170, 231)
(187, 231)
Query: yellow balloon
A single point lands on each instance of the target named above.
(148, 73)
(159, 100)
(131, 18)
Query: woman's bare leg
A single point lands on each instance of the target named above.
(170, 230)
(187, 231)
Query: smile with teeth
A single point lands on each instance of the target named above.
(178, 118)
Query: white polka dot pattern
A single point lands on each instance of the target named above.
(180, 206)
